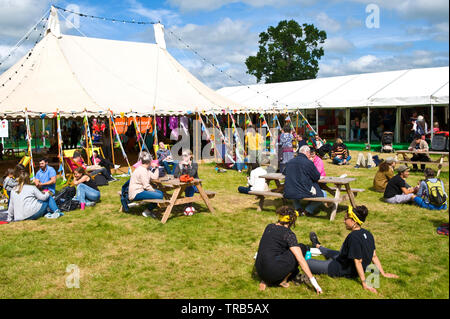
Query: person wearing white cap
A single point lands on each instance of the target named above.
(397, 190)
(384, 174)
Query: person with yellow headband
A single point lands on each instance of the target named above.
(280, 254)
(357, 251)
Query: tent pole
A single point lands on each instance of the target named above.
(432, 121)
(317, 120)
(111, 139)
(368, 127)
(398, 116)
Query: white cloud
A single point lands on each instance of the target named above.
(432, 11)
(338, 45)
(18, 16)
(210, 5)
(370, 63)
(165, 16)
(326, 23)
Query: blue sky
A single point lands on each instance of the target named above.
(411, 34)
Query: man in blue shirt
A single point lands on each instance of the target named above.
(45, 177)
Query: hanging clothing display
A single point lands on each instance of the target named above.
(173, 125)
(184, 122)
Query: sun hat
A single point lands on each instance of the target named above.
(402, 168)
(390, 160)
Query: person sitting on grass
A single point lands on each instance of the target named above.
(421, 147)
(87, 191)
(45, 177)
(384, 174)
(279, 254)
(339, 153)
(431, 194)
(369, 163)
(187, 167)
(301, 182)
(9, 182)
(165, 158)
(140, 187)
(318, 163)
(397, 190)
(357, 251)
(255, 181)
(27, 202)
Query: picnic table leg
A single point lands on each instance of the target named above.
(350, 195)
(205, 197)
(440, 166)
(260, 204)
(169, 208)
(335, 206)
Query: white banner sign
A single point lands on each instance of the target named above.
(4, 128)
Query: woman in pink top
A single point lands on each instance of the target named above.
(318, 163)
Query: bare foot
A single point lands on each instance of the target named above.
(284, 284)
(262, 286)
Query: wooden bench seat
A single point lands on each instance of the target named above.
(424, 163)
(266, 193)
(165, 202)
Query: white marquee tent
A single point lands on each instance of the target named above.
(411, 87)
(72, 74)
(405, 88)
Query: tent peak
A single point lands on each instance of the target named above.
(53, 25)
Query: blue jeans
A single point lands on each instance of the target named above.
(422, 203)
(49, 204)
(167, 167)
(87, 195)
(190, 191)
(239, 166)
(311, 207)
(338, 160)
(156, 194)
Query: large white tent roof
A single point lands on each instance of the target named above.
(382, 89)
(73, 74)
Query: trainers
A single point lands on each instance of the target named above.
(314, 240)
(356, 166)
(148, 213)
(301, 279)
(116, 166)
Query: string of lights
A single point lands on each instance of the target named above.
(23, 40)
(107, 19)
(28, 55)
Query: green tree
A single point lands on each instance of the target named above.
(287, 52)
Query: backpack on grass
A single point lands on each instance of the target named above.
(436, 195)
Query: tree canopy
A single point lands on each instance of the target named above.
(287, 52)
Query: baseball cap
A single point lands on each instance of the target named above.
(390, 160)
(402, 168)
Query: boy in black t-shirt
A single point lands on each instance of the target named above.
(397, 190)
(357, 251)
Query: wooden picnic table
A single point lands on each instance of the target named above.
(340, 184)
(168, 183)
(440, 162)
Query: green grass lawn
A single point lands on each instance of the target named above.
(208, 255)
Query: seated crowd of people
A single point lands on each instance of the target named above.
(280, 254)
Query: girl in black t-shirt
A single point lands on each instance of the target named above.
(280, 254)
(357, 251)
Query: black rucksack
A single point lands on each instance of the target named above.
(64, 199)
(436, 195)
(124, 196)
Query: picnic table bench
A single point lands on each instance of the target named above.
(341, 185)
(167, 184)
(440, 162)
